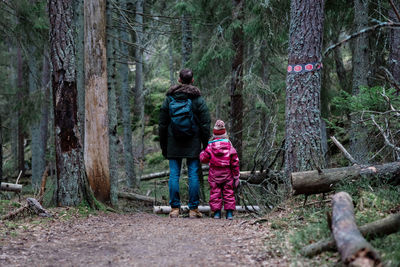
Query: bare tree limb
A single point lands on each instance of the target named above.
(369, 29)
(346, 154)
(387, 141)
(395, 9)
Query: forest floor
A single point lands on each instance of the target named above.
(139, 239)
(83, 237)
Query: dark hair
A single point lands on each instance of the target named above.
(186, 76)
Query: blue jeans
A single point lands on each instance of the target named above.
(175, 170)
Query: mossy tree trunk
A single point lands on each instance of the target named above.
(20, 127)
(303, 115)
(236, 109)
(72, 185)
(96, 99)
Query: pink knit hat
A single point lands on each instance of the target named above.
(219, 128)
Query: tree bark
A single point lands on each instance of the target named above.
(303, 115)
(125, 102)
(79, 35)
(358, 135)
(353, 248)
(313, 182)
(236, 109)
(112, 107)
(72, 185)
(139, 90)
(96, 99)
(383, 227)
(394, 45)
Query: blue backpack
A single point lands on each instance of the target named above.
(183, 121)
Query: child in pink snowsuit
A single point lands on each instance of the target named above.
(224, 173)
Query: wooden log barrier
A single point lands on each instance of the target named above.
(11, 187)
(203, 209)
(353, 248)
(314, 182)
(385, 226)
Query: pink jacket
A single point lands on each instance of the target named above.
(223, 160)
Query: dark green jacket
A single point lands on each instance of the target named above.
(188, 148)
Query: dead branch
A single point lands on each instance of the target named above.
(31, 205)
(387, 141)
(43, 185)
(346, 154)
(369, 29)
(395, 9)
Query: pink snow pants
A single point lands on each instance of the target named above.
(222, 195)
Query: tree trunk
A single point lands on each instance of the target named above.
(20, 128)
(303, 115)
(45, 108)
(112, 107)
(125, 102)
(186, 40)
(313, 182)
(358, 135)
(394, 43)
(353, 248)
(383, 227)
(139, 93)
(72, 185)
(236, 109)
(35, 127)
(96, 99)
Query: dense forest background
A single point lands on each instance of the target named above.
(238, 51)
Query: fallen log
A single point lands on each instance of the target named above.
(353, 248)
(203, 209)
(11, 187)
(313, 182)
(383, 227)
(133, 196)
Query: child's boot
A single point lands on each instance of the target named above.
(217, 214)
(229, 214)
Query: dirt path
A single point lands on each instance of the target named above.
(140, 239)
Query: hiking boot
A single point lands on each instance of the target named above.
(217, 214)
(174, 213)
(229, 214)
(193, 214)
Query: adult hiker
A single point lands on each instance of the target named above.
(184, 126)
